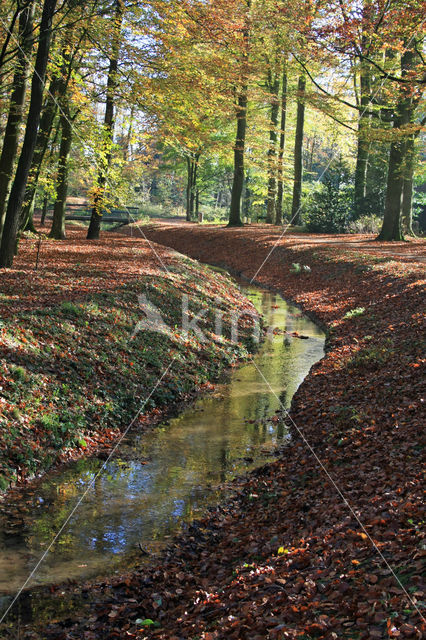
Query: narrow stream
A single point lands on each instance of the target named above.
(172, 473)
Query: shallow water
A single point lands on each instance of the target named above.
(175, 469)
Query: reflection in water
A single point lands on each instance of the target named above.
(175, 471)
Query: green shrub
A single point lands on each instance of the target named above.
(366, 224)
(353, 313)
(71, 309)
(328, 209)
(300, 268)
(19, 373)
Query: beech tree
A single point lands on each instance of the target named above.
(249, 102)
(298, 152)
(16, 108)
(108, 130)
(17, 193)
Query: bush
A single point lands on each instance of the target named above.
(366, 224)
(70, 309)
(328, 209)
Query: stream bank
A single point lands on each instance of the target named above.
(76, 364)
(286, 556)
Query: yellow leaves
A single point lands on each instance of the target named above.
(282, 551)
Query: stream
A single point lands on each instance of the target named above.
(172, 473)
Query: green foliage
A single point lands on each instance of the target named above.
(353, 313)
(300, 268)
(19, 373)
(366, 224)
(81, 371)
(71, 309)
(328, 209)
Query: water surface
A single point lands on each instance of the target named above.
(173, 474)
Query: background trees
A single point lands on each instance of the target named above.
(234, 110)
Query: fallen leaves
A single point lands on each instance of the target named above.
(228, 575)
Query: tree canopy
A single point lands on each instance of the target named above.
(251, 110)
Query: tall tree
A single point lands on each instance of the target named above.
(363, 143)
(16, 108)
(239, 149)
(273, 85)
(47, 119)
(280, 181)
(108, 126)
(192, 161)
(65, 122)
(241, 114)
(402, 132)
(17, 192)
(298, 152)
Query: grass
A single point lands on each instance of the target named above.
(354, 313)
(75, 372)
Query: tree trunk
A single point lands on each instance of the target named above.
(17, 193)
(16, 108)
(29, 223)
(280, 189)
(246, 203)
(363, 148)
(44, 210)
(188, 188)
(392, 218)
(57, 88)
(58, 225)
(198, 213)
(99, 197)
(190, 169)
(238, 179)
(192, 161)
(274, 87)
(298, 153)
(407, 189)
(391, 228)
(194, 186)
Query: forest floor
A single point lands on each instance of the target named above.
(73, 371)
(328, 541)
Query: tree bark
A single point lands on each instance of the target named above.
(198, 212)
(99, 197)
(192, 161)
(190, 169)
(194, 186)
(280, 187)
(298, 153)
(58, 225)
(363, 144)
(392, 218)
(16, 108)
(407, 189)
(246, 202)
(274, 87)
(240, 139)
(238, 179)
(391, 227)
(44, 210)
(17, 193)
(57, 88)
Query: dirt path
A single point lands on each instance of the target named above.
(273, 238)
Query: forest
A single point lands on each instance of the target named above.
(212, 252)
(303, 113)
